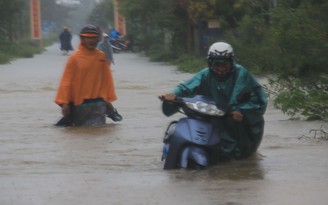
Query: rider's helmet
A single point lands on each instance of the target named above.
(89, 31)
(221, 53)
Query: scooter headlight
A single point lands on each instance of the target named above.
(205, 108)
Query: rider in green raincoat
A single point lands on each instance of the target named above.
(233, 88)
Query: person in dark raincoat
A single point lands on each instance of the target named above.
(65, 41)
(232, 87)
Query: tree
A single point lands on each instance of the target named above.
(12, 18)
(154, 24)
(103, 15)
(300, 36)
(53, 13)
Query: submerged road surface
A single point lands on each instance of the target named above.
(119, 163)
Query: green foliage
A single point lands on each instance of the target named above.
(52, 12)
(153, 23)
(306, 101)
(10, 51)
(299, 38)
(199, 10)
(14, 19)
(229, 12)
(9, 9)
(249, 50)
(157, 54)
(103, 14)
(290, 42)
(190, 63)
(301, 46)
(4, 58)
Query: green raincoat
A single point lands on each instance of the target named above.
(239, 139)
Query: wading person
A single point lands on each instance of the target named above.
(86, 89)
(105, 46)
(65, 39)
(232, 87)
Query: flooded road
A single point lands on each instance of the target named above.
(119, 163)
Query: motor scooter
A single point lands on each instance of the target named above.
(116, 49)
(192, 141)
(118, 45)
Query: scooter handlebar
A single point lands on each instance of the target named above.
(176, 100)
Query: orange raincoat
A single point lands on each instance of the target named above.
(87, 75)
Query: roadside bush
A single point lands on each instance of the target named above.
(301, 60)
(304, 100)
(190, 63)
(292, 48)
(10, 51)
(159, 54)
(4, 58)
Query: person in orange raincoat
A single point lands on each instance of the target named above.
(86, 89)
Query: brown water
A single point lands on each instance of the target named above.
(119, 163)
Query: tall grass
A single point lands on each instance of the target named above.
(24, 49)
(190, 63)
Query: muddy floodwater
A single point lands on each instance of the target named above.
(119, 163)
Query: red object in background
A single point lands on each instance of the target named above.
(35, 19)
(119, 19)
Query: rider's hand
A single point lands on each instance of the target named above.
(65, 110)
(237, 116)
(168, 97)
